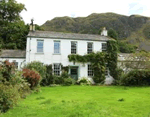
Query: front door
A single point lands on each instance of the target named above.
(74, 72)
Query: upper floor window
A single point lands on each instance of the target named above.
(73, 47)
(104, 47)
(89, 48)
(40, 45)
(56, 47)
(57, 69)
(90, 71)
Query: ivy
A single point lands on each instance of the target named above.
(98, 61)
(112, 49)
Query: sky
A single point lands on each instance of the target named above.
(43, 10)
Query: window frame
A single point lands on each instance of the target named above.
(57, 71)
(74, 48)
(90, 71)
(38, 46)
(104, 48)
(89, 48)
(57, 41)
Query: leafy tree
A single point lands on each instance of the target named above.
(126, 48)
(112, 33)
(13, 30)
(37, 27)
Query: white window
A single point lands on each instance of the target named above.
(89, 48)
(73, 47)
(40, 46)
(104, 47)
(57, 68)
(90, 71)
(56, 47)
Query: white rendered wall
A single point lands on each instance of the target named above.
(48, 56)
(21, 61)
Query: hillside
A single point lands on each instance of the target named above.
(134, 29)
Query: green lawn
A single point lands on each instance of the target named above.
(85, 101)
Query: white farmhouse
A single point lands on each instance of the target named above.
(16, 56)
(54, 47)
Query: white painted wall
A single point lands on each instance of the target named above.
(21, 61)
(48, 56)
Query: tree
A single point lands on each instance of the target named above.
(37, 27)
(126, 48)
(13, 30)
(112, 33)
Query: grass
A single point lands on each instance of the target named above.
(85, 101)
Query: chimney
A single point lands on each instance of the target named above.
(32, 26)
(104, 32)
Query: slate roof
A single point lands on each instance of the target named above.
(13, 54)
(61, 35)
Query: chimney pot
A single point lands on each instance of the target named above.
(104, 32)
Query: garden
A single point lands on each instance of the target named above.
(36, 91)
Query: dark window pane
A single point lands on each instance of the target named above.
(104, 46)
(90, 71)
(73, 47)
(57, 69)
(89, 48)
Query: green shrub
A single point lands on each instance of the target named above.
(97, 79)
(37, 66)
(9, 96)
(60, 79)
(120, 74)
(20, 83)
(136, 78)
(12, 86)
(49, 76)
(68, 81)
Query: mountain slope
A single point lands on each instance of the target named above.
(135, 29)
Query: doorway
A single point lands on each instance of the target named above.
(74, 72)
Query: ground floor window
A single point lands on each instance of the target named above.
(57, 69)
(90, 71)
(15, 63)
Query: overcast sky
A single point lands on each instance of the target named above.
(43, 10)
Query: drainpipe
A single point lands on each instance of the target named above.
(29, 48)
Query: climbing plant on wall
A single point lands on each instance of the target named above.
(98, 61)
(112, 49)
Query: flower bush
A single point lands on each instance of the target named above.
(32, 77)
(7, 69)
(84, 81)
(12, 86)
(37, 66)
